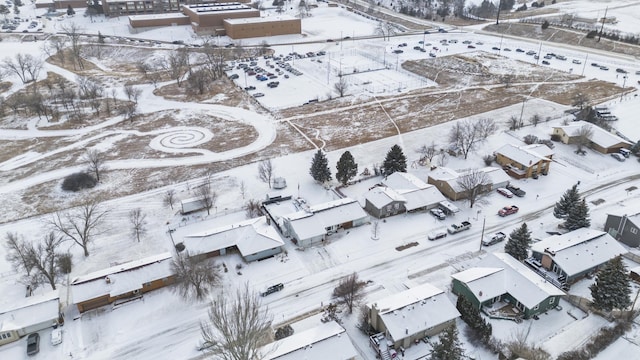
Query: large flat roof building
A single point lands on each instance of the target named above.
(262, 26)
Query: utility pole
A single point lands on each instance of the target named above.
(603, 19)
(498, 17)
(482, 236)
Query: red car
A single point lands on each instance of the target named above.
(508, 210)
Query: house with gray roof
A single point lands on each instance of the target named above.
(501, 282)
(412, 314)
(399, 193)
(524, 161)
(29, 315)
(577, 253)
(624, 228)
(600, 140)
(446, 181)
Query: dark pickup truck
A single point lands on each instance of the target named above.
(272, 289)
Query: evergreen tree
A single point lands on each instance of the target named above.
(578, 216)
(347, 168)
(448, 346)
(395, 161)
(320, 168)
(471, 315)
(518, 243)
(70, 11)
(567, 201)
(611, 289)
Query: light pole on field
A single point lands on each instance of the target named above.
(624, 82)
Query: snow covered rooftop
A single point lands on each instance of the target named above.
(580, 250)
(122, 278)
(403, 182)
(407, 188)
(499, 273)
(522, 154)
(250, 236)
(380, 196)
(495, 175)
(415, 310)
(157, 16)
(260, 19)
(314, 221)
(326, 341)
(600, 136)
(32, 310)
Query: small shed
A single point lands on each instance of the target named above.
(279, 183)
(190, 205)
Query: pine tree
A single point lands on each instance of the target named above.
(448, 346)
(578, 216)
(471, 315)
(320, 168)
(518, 243)
(347, 168)
(567, 201)
(395, 161)
(611, 289)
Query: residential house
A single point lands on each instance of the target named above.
(399, 193)
(30, 315)
(255, 239)
(600, 140)
(577, 253)
(412, 314)
(326, 341)
(524, 161)
(446, 180)
(503, 287)
(634, 274)
(313, 224)
(624, 228)
(122, 282)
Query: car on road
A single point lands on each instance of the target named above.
(272, 289)
(621, 71)
(576, 61)
(456, 228)
(618, 157)
(548, 57)
(432, 54)
(506, 49)
(249, 88)
(467, 42)
(471, 47)
(33, 344)
(479, 43)
(494, 239)
(604, 68)
(516, 190)
(398, 51)
(495, 48)
(595, 64)
(519, 50)
(508, 210)
(531, 52)
(56, 336)
(257, 95)
(437, 234)
(504, 192)
(545, 62)
(438, 213)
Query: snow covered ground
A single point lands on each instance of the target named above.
(164, 327)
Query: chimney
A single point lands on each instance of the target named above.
(268, 220)
(406, 331)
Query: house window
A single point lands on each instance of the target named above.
(536, 307)
(396, 206)
(552, 300)
(634, 230)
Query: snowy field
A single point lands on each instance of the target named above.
(161, 326)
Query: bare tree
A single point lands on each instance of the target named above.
(535, 120)
(79, 225)
(95, 162)
(583, 137)
(177, 65)
(252, 208)
(243, 189)
(580, 100)
(138, 221)
(44, 257)
(215, 60)
(341, 86)
(26, 67)
(18, 254)
(386, 29)
(467, 134)
(169, 198)
(133, 94)
(375, 230)
(428, 152)
(350, 291)
(265, 171)
(194, 277)
(237, 327)
(207, 196)
(443, 158)
(73, 31)
(473, 184)
(514, 123)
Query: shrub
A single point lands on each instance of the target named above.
(78, 181)
(530, 139)
(591, 34)
(545, 25)
(555, 137)
(488, 159)
(283, 332)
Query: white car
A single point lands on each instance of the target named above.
(56, 336)
(437, 234)
(618, 157)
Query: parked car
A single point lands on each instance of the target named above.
(625, 152)
(519, 50)
(33, 344)
(604, 68)
(257, 95)
(508, 210)
(467, 42)
(56, 336)
(516, 190)
(531, 52)
(618, 157)
(437, 234)
(273, 289)
(438, 213)
(621, 71)
(545, 62)
(576, 61)
(249, 88)
(397, 51)
(456, 228)
(494, 239)
(504, 192)
(495, 48)
(471, 47)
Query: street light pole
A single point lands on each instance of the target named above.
(482, 236)
(624, 82)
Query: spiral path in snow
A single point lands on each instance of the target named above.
(181, 138)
